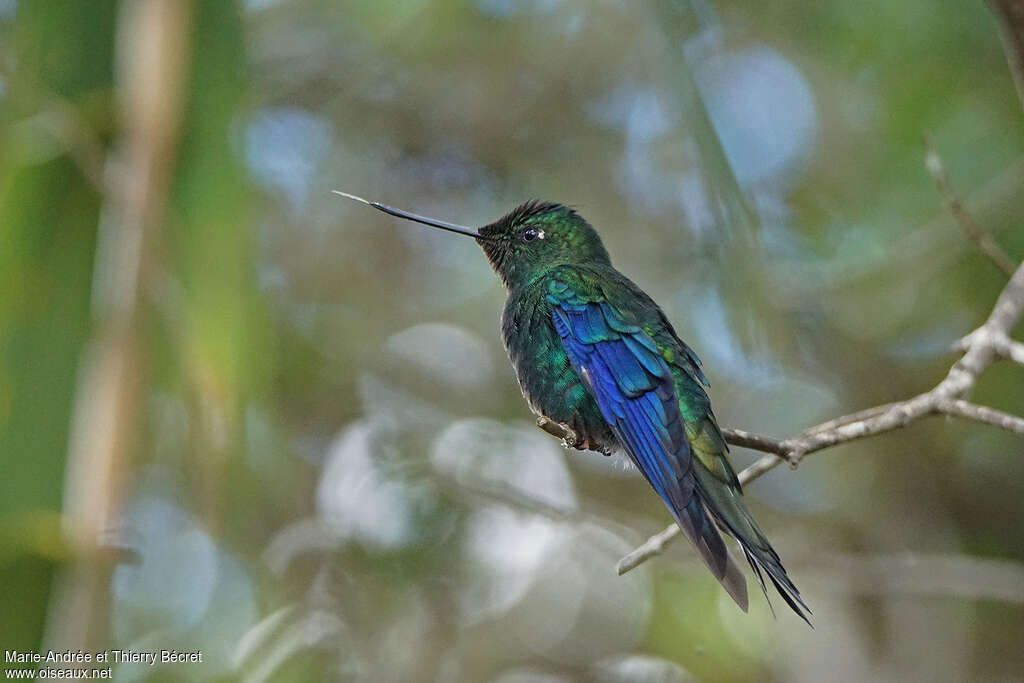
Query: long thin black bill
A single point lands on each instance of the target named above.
(452, 227)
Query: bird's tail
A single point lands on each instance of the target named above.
(702, 532)
(731, 514)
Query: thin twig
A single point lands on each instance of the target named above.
(986, 245)
(1010, 350)
(766, 444)
(847, 419)
(761, 466)
(972, 411)
(1005, 348)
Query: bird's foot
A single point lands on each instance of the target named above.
(570, 439)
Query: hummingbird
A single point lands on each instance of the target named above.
(599, 363)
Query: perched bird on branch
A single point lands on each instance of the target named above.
(596, 357)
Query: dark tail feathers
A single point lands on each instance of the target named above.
(703, 534)
(759, 553)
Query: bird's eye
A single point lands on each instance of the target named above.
(531, 234)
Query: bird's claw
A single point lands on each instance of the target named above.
(570, 439)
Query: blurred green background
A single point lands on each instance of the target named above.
(242, 416)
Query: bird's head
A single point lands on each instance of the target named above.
(536, 235)
(526, 241)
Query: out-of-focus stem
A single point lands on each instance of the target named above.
(152, 58)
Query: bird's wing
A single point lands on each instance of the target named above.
(717, 484)
(625, 373)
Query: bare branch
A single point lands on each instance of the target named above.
(847, 419)
(654, 545)
(755, 470)
(972, 411)
(766, 444)
(986, 245)
(986, 344)
(1010, 350)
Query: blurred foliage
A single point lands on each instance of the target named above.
(336, 476)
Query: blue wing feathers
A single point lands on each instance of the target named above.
(629, 374)
(650, 358)
(595, 328)
(656, 404)
(623, 369)
(634, 389)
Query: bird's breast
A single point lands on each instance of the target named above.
(548, 381)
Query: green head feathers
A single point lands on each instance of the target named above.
(536, 235)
